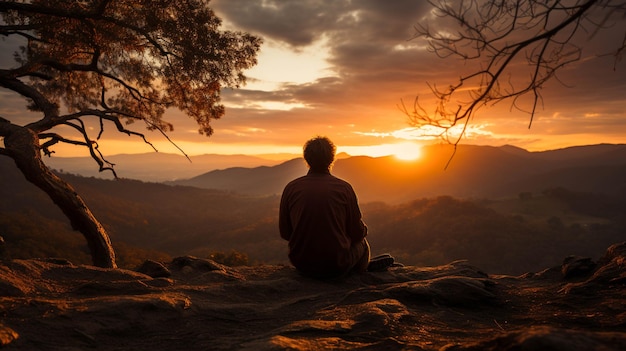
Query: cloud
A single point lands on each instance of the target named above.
(342, 68)
(361, 37)
(301, 23)
(374, 57)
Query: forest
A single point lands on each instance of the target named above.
(526, 232)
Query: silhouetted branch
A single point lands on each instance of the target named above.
(499, 34)
(54, 139)
(93, 147)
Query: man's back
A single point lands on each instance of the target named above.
(320, 217)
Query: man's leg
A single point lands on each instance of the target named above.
(380, 263)
(360, 256)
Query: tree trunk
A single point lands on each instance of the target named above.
(23, 146)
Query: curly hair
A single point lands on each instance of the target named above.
(319, 153)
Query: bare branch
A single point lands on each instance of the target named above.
(109, 115)
(56, 138)
(486, 30)
(93, 147)
(49, 109)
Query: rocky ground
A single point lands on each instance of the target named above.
(196, 304)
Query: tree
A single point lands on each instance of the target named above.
(501, 35)
(111, 63)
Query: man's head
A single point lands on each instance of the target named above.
(319, 153)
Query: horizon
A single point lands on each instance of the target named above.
(341, 151)
(159, 167)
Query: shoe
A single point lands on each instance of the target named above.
(380, 256)
(380, 263)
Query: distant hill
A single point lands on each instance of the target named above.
(153, 216)
(155, 166)
(474, 171)
(511, 235)
(261, 180)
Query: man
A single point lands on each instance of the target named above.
(320, 217)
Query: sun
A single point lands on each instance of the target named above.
(404, 151)
(407, 151)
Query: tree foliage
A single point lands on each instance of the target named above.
(122, 61)
(498, 37)
(110, 63)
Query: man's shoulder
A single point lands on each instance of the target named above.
(297, 180)
(337, 182)
(324, 178)
(341, 181)
(296, 183)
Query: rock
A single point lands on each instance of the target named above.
(203, 270)
(207, 306)
(379, 317)
(577, 267)
(56, 260)
(195, 263)
(610, 271)
(453, 291)
(112, 288)
(616, 251)
(12, 284)
(154, 269)
(7, 335)
(544, 338)
(159, 282)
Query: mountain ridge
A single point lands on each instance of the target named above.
(425, 229)
(473, 171)
(156, 166)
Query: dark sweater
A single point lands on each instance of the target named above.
(320, 217)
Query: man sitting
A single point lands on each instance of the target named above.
(320, 217)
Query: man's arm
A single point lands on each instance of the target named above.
(357, 230)
(284, 219)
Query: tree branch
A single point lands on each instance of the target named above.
(91, 12)
(500, 59)
(49, 109)
(93, 148)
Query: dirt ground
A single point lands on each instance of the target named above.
(197, 304)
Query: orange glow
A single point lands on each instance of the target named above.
(405, 151)
(408, 152)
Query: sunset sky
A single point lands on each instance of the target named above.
(341, 68)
